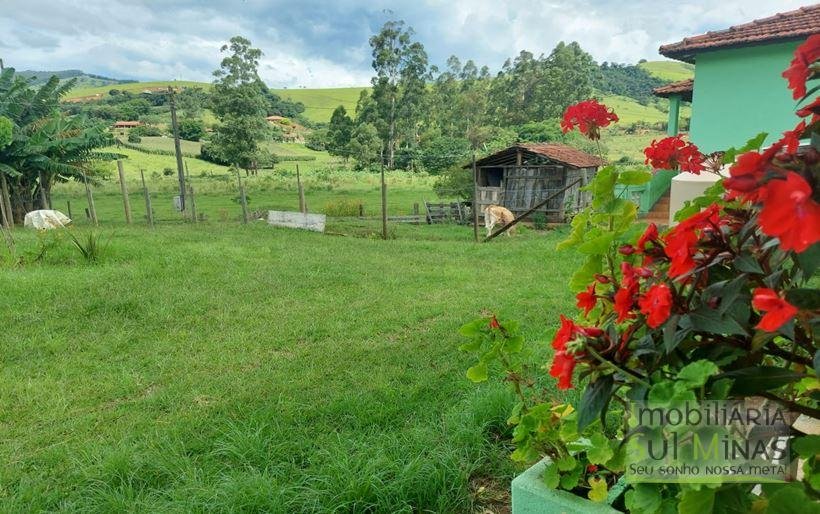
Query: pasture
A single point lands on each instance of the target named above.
(219, 367)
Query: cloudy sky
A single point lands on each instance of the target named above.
(313, 43)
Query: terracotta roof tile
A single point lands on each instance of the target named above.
(563, 153)
(682, 87)
(796, 24)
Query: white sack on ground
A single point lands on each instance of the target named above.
(46, 219)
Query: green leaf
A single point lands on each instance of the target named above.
(551, 477)
(634, 177)
(598, 490)
(697, 373)
(697, 502)
(753, 380)
(586, 273)
(603, 186)
(644, 498)
(753, 144)
(804, 298)
(596, 396)
(807, 446)
(570, 479)
(514, 344)
(566, 463)
(601, 450)
(809, 260)
(791, 499)
(473, 328)
(597, 245)
(478, 373)
(712, 321)
(748, 264)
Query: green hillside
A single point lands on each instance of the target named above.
(319, 103)
(669, 70)
(134, 87)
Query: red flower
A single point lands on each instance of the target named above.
(562, 367)
(589, 116)
(673, 153)
(812, 109)
(592, 468)
(798, 73)
(778, 311)
(494, 323)
(656, 304)
(587, 299)
(790, 214)
(623, 303)
(564, 334)
(650, 234)
(791, 138)
(681, 241)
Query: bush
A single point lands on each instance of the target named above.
(340, 208)
(167, 172)
(455, 182)
(191, 130)
(134, 138)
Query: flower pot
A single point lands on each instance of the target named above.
(531, 496)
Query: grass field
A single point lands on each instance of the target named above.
(320, 103)
(220, 367)
(134, 87)
(669, 70)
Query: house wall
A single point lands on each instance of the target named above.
(739, 93)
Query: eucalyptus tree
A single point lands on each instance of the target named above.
(399, 86)
(238, 100)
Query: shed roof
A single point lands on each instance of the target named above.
(127, 123)
(683, 88)
(553, 151)
(784, 26)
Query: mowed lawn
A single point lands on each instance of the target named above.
(214, 368)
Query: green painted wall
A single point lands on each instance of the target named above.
(739, 93)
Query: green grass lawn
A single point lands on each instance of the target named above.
(669, 70)
(221, 367)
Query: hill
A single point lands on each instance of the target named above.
(670, 71)
(320, 103)
(83, 80)
(80, 91)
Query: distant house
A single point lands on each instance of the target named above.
(126, 124)
(521, 176)
(276, 119)
(738, 90)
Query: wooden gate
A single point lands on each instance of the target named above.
(526, 186)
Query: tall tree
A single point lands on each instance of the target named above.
(399, 87)
(339, 131)
(238, 100)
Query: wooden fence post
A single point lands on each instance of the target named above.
(475, 200)
(149, 211)
(384, 200)
(242, 198)
(301, 190)
(416, 212)
(191, 200)
(68, 205)
(126, 203)
(6, 216)
(89, 196)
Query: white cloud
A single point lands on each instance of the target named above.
(315, 44)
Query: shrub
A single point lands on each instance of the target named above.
(191, 129)
(722, 307)
(167, 172)
(134, 138)
(340, 208)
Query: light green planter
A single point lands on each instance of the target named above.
(531, 496)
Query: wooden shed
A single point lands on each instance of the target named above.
(521, 176)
